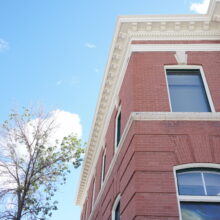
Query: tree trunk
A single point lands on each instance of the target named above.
(19, 213)
(20, 205)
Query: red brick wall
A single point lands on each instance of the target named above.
(143, 172)
(110, 140)
(98, 175)
(150, 90)
(144, 87)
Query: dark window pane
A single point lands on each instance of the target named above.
(190, 184)
(200, 211)
(212, 182)
(187, 92)
(103, 174)
(118, 128)
(117, 212)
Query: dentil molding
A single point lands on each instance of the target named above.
(128, 28)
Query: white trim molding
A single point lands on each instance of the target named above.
(129, 28)
(116, 129)
(176, 116)
(103, 167)
(117, 200)
(174, 47)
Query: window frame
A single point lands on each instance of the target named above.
(116, 129)
(86, 209)
(117, 200)
(189, 198)
(190, 67)
(103, 166)
(93, 192)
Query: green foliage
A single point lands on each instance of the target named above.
(37, 172)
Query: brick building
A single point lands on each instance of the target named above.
(154, 148)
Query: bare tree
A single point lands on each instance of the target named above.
(32, 164)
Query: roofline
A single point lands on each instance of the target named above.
(106, 91)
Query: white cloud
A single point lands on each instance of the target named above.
(67, 123)
(3, 44)
(89, 45)
(200, 8)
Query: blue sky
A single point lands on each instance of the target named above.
(54, 52)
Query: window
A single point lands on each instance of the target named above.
(86, 207)
(103, 166)
(116, 209)
(199, 193)
(118, 128)
(93, 193)
(187, 91)
(117, 212)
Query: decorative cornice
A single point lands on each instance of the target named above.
(185, 27)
